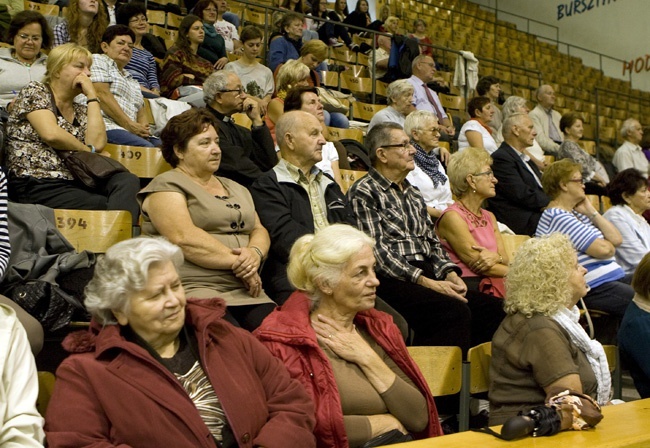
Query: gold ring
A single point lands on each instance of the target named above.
(330, 336)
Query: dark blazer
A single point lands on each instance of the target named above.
(519, 199)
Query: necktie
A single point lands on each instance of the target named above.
(553, 133)
(433, 102)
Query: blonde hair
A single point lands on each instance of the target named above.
(559, 172)
(538, 278)
(316, 47)
(468, 161)
(95, 30)
(63, 55)
(291, 72)
(319, 259)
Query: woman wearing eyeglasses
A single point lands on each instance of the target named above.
(24, 62)
(467, 231)
(594, 238)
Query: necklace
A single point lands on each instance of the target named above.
(26, 64)
(477, 220)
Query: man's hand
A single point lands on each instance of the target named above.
(446, 287)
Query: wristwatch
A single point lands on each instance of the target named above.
(92, 148)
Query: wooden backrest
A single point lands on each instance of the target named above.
(330, 79)
(512, 242)
(45, 387)
(94, 230)
(146, 163)
(173, 20)
(452, 102)
(45, 9)
(479, 358)
(365, 111)
(357, 85)
(610, 352)
(242, 120)
(441, 368)
(156, 17)
(336, 134)
(349, 177)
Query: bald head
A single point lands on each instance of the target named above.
(300, 138)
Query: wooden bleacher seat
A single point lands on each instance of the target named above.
(589, 147)
(144, 162)
(45, 388)
(365, 111)
(173, 20)
(242, 120)
(452, 102)
(441, 367)
(614, 362)
(166, 34)
(336, 134)
(349, 177)
(330, 79)
(156, 17)
(94, 230)
(512, 242)
(476, 379)
(356, 85)
(255, 17)
(45, 9)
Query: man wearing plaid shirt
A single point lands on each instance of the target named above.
(416, 275)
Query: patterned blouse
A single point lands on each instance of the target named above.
(27, 154)
(179, 62)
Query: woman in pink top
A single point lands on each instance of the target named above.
(468, 232)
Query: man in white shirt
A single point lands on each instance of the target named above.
(629, 154)
(547, 120)
(424, 71)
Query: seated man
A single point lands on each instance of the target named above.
(416, 276)
(520, 199)
(245, 154)
(629, 154)
(547, 120)
(296, 198)
(119, 93)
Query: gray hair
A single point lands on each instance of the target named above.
(512, 106)
(124, 270)
(627, 126)
(419, 58)
(398, 88)
(416, 120)
(215, 83)
(378, 136)
(319, 259)
(286, 123)
(512, 121)
(539, 90)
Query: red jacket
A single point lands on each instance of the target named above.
(119, 395)
(287, 332)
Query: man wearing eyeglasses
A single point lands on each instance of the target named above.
(245, 154)
(416, 276)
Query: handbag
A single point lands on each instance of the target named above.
(90, 168)
(331, 100)
(47, 303)
(388, 438)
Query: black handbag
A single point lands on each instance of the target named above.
(388, 438)
(90, 168)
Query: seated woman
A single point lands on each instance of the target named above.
(420, 34)
(300, 7)
(634, 332)
(359, 17)
(350, 357)
(45, 119)
(292, 74)
(518, 105)
(593, 237)
(287, 45)
(256, 78)
(24, 62)
(183, 70)
(20, 423)
(332, 34)
(149, 371)
(468, 232)
(490, 88)
(429, 173)
(85, 23)
(400, 104)
(540, 346)
(213, 47)
(629, 194)
(593, 173)
(476, 131)
(211, 218)
(142, 65)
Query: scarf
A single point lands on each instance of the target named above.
(429, 164)
(568, 319)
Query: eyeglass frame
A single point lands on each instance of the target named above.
(581, 180)
(240, 90)
(485, 173)
(144, 19)
(25, 38)
(403, 147)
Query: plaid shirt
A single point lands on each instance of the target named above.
(123, 86)
(399, 223)
(61, 34)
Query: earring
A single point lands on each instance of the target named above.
(473, 191)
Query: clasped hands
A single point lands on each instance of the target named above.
(246, 268)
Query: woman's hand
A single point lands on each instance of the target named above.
(83, 82)
(348, 344)
(486, 259)
(221, 63)
(247, 263)
(585, 207)
(254, 284)
(382, 423)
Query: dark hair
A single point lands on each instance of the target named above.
(358, 7)
(378, 136)
(250, 32)
(182, 41)
(288, 19)
(569, 119)
(641, 279)
(202, 6)
(129, 10)
(628, 182)
(315, 7)
(300, 7)
(24, 18)
(484, 84)
(180, 129)
(293, 100)
(476, 103)
(117, 30)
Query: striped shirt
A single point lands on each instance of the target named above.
(5, 246)
(142, 67)
(582, 233)
(399, 223)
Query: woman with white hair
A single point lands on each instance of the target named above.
(350, 357)
(400, 104)
(429, 173)
(518, 105)
(157, 369)
(540, 347)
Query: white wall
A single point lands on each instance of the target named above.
(618, 29)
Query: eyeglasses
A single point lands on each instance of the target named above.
(140, 19)
(239, 90)
(581, 181)
(403, 147)
(35, 39)
(489, 174)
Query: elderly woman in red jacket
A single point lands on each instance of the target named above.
(350, 357)
(157, 370)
